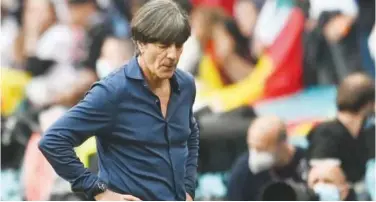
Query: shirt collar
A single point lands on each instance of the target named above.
(133, 70)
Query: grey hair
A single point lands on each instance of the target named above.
(160, 21)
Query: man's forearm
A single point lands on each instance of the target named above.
(59, 151)
(82, 121)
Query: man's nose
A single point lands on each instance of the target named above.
(173, 52)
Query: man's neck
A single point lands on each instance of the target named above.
(353, 122)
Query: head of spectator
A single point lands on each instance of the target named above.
(355, 100)
(329, 182)
(267, 143)
(81, 11)
(115, 53)
(245, 14)
(203, 20)
(159, 30)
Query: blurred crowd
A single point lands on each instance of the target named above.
(263, 68)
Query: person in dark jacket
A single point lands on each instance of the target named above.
(270, 158)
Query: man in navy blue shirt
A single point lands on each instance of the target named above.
(141, 116)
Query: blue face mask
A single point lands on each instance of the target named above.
(327, 192)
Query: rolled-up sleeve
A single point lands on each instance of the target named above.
(193, 146)
(89, 116)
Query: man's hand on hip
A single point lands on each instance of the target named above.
(112, 196)
(188, 197)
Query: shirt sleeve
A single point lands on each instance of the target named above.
(193, 146)
(323, 144)
(90, 115)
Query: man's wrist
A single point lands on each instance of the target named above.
(98, 188)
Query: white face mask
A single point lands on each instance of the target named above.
(327, 192)
(260, 161)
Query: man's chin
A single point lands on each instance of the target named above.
(166, 74)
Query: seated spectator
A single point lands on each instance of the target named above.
(343, 140)
(329, 183)
(331, 51)
(270, 158)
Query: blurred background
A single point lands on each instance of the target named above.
(250, 58)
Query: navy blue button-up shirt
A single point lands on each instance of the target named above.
(140, 152)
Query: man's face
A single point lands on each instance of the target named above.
(264, 149)
(160, 59)
(328, 181)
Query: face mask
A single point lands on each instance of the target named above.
(260, 161)
(327, 192)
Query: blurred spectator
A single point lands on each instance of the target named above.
(29, 50)
(86, 17)
(43, 48)
(343, 141)
(270, 158)
(330, 184)
(115, 53)
(330, 46)
(231, 51)
(218, 44)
